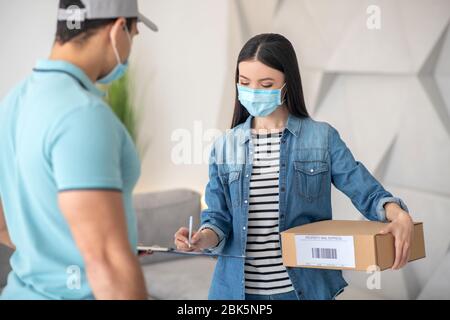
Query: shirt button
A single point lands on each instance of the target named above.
(244, 228)
(245, 201)
(246, 176)
(312, 170)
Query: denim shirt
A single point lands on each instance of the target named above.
(312, 157)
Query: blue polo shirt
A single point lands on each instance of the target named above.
(57, 134)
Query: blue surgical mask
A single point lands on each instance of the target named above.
(260, 102)
(120, 69)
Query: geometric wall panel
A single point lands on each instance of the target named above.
(357, 107)
(434, 211)
(316, 84)
(442, 73)
(393, 56)
(399, 46)
(435, 77)
(319, 26)
(422, 155)
(422, 23)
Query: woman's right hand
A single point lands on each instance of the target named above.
(202, 240)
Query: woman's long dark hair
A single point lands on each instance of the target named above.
(277, 52)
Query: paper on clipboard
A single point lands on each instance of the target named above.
(158, 249)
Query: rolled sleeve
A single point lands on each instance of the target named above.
(220, 234)
(381, 211)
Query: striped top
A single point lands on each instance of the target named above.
(265, 273)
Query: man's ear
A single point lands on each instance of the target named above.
(118, 26)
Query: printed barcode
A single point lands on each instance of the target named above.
(324, 253)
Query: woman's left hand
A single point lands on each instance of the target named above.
(402, 228)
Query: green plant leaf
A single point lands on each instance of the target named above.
(119, 99)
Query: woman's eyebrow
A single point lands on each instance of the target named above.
(264, 79)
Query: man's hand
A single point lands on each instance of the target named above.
(98, 225)
(144, 253)
(202, 240)
(402, 228)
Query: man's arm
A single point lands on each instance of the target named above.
(98, 225)
(4, 235)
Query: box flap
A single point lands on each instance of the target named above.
(340, 227)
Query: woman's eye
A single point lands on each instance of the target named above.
(267, 85)
(245, 83)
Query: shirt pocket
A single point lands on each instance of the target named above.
(231, 185)
(310, 177)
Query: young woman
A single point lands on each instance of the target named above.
(273, 171)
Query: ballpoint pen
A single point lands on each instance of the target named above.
(190, 230)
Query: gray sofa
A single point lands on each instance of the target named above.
(167, 276)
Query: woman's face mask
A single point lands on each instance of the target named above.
(260, 102)
(121, 68)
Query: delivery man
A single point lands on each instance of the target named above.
(68, 166)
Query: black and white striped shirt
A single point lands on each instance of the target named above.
(266, 274)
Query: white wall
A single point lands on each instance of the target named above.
(180, 75)
(27, 31)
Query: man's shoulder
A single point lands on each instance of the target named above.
(13, 93)
(69, 93)
(69, 98)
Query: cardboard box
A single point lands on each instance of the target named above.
(344, 245)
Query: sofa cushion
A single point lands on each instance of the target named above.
(182, 279)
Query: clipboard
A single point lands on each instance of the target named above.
(158, 249)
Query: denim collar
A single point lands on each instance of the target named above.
(293, 125)
(71, 70)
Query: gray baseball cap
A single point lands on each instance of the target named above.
(105, 9)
